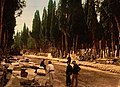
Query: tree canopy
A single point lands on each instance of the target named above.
(73, 25)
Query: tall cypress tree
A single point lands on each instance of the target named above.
(44, 24)
(49, 18)
(30, 42)
(92, 23)
(110, 22)
(79, 27)
(63, 16)
(72, 24)
(9, 21)
(53, 23)
(37, 29)
(17, 41)
(44, 31)
(24, 35)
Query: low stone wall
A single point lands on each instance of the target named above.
(104, 67)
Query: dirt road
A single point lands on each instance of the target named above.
(88, 77)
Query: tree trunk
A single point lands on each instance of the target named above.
(94, 48)
(76, 43)
(100, 49)
(1, 16)
(118, 26)
(112, 43)
(97, 46)
(4, 39)
(73, 44)
(66, 43)
(62, 48)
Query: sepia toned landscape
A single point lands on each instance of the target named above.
(86, 31)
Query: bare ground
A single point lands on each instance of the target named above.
(88, 77)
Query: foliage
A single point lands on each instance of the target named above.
(37, 29)
(110, 22)
(44, 24)
(24, 36)
(30, 43)
(17, 41)
(72, 26)
(9, 21)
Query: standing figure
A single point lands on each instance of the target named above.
(68, 74)
(43, 64)
(50, 72)
(75, 71)
(69, 59)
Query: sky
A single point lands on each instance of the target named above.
(28, 13)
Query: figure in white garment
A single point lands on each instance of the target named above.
(50, 72)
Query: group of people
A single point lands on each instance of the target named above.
(49, 71)
(70, 71)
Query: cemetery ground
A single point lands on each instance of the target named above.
(91, 74)
(88, 76)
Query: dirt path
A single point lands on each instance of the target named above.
(88, 77)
